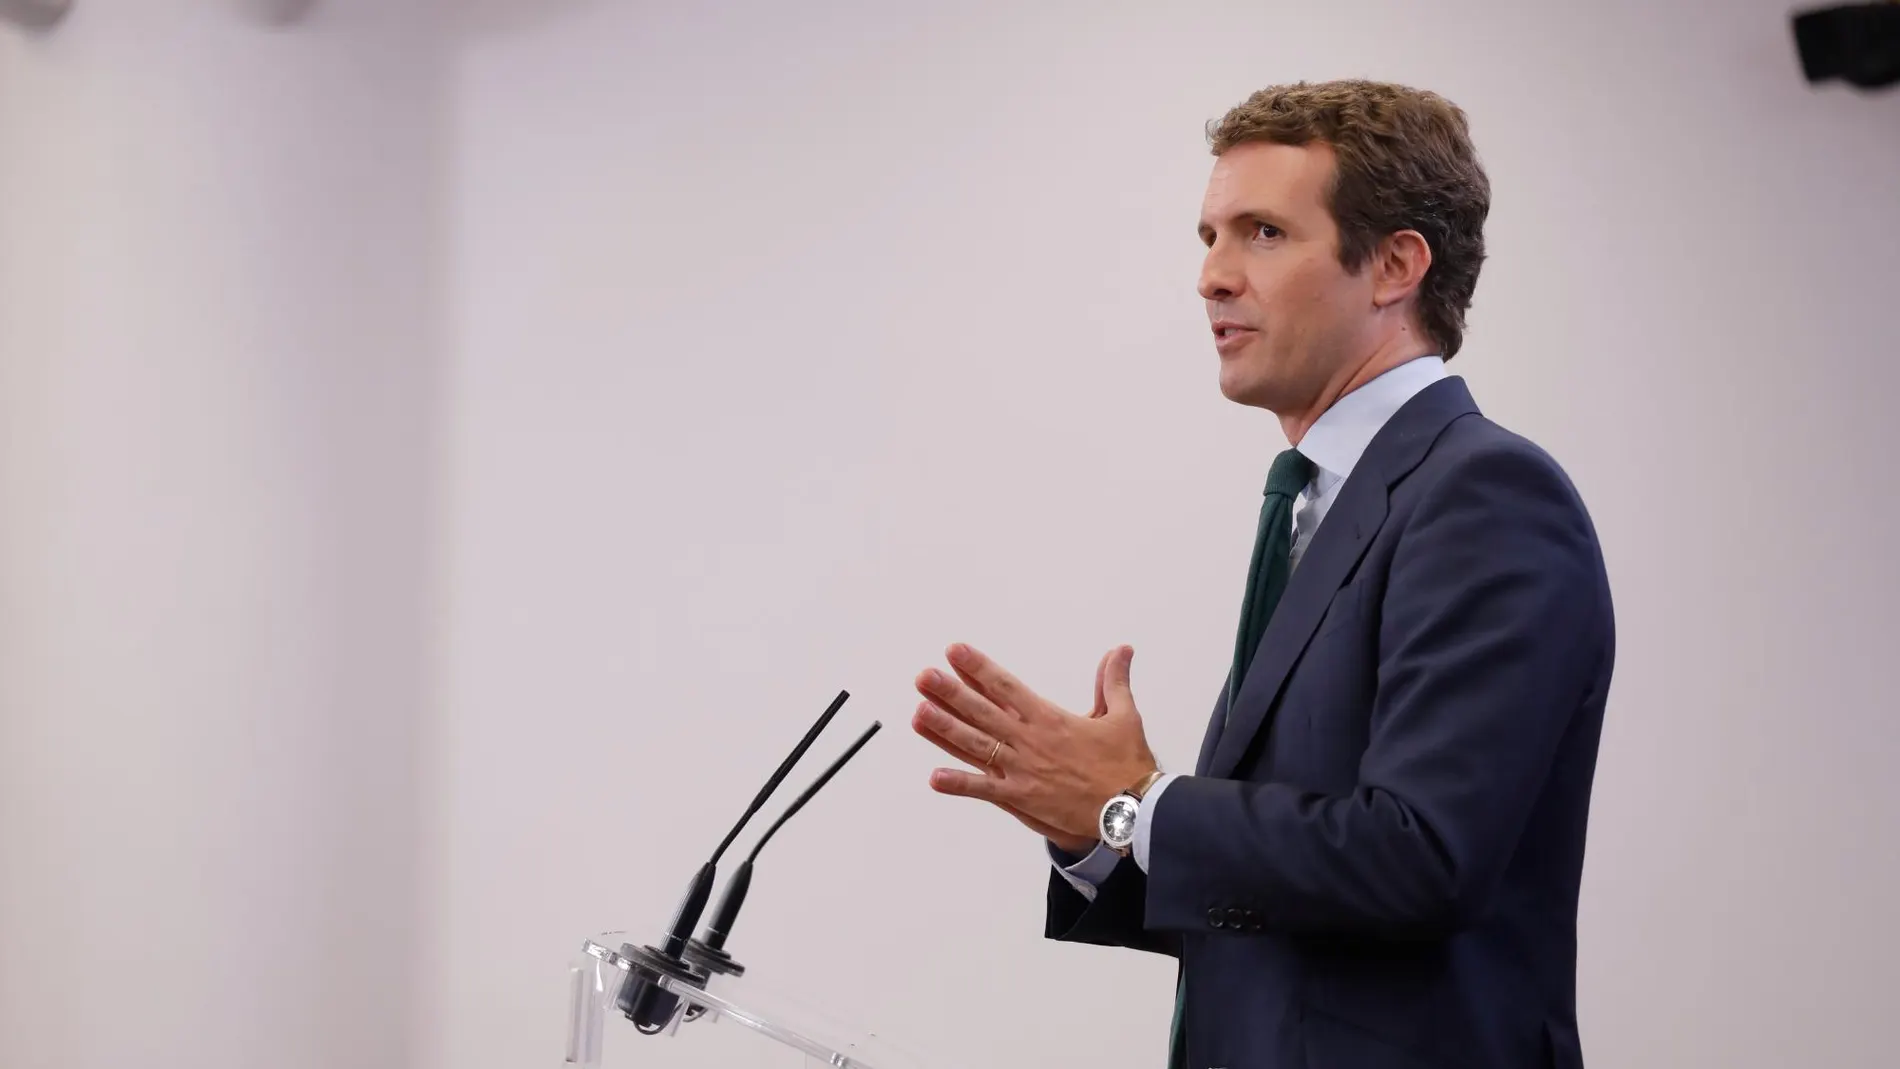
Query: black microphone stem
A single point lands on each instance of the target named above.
(721, 925)
(694, 904)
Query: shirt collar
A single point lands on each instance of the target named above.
(1340, 436)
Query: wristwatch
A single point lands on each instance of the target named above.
(1116, 825)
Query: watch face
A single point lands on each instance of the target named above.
(1118, 820)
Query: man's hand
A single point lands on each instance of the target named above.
(1049, 768)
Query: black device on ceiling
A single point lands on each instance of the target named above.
(1855, 43)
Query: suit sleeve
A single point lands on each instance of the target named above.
(1493, 627)
(1112, 918)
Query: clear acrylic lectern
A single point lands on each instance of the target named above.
(774, 1028)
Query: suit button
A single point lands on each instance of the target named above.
(1215, 918)
(1253, 921)
(1236, 918)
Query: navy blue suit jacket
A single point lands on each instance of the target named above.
(1376, 865)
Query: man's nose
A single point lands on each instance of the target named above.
(1219, 280)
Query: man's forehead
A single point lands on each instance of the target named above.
(1231, 191)
(1261, 176)
(1221, 180)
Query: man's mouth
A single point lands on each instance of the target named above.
(1230, 335)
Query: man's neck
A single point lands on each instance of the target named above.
(1398, 351)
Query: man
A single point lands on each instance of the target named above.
(1375, 862)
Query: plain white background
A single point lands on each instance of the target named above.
(447, 456)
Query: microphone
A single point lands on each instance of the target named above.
(641, 998)
(709, 952)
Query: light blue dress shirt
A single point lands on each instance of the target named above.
(1334, 444)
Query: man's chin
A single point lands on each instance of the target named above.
(1243, 389)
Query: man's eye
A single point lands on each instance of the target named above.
(1267, 230)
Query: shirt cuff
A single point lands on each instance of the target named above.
(1145, 819)
(1087, 873)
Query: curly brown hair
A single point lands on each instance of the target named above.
(1404, 162)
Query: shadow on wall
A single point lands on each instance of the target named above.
(34, 14)
(278, 12)
(44, 14)
(486, 18)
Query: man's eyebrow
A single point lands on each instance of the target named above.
(1245, 215)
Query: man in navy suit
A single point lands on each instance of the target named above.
(1376, 859)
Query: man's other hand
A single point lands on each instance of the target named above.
(1049, 768)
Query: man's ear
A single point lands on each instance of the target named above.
(1399, 263)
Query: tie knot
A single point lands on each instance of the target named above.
(1290, 474)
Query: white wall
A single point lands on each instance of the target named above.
(774, 348)
(796, 341)
(218, 371)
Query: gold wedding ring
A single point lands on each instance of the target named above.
(995, 746)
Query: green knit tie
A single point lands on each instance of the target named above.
(1266, 580)
(1272, 557)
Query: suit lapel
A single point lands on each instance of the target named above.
(1330, 558)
